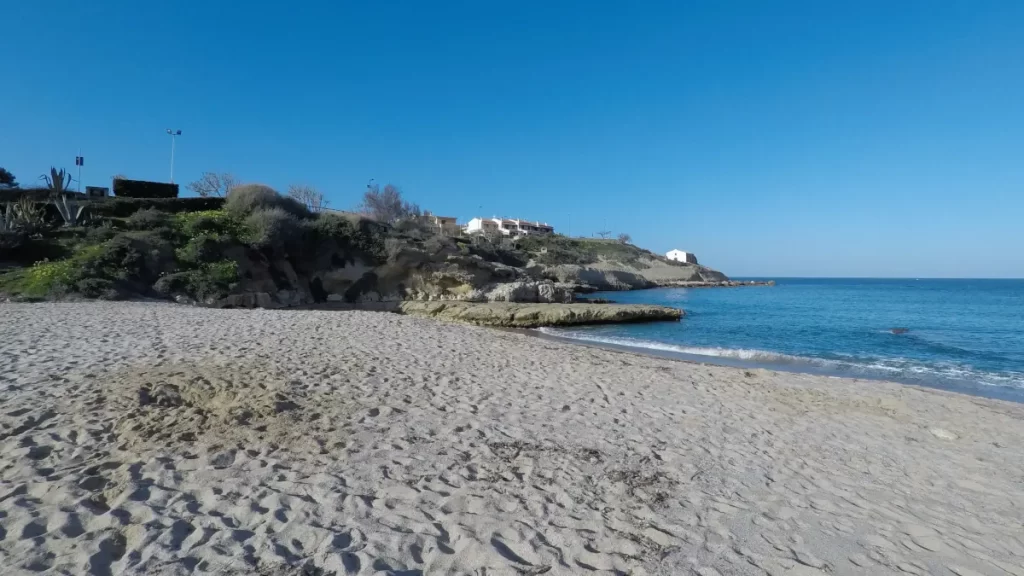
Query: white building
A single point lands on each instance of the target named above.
(483, 225)
(507, 227)
(680, 256)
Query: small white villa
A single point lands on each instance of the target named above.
(680, 256)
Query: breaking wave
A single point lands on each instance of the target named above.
(948, 375)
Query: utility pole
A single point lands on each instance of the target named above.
(173, 134)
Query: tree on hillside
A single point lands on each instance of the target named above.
(387, 205)
(212, 184)
(7, 180)
(604, 233)
(308, 195)
(625, 238)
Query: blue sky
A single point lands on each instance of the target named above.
(861, 138)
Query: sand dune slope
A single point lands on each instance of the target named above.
(155, 439)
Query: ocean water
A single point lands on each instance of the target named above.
(962, 335)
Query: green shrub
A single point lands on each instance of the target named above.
(46, 279)
(355, 234)
(210, 222)
(101, 233)
(327, 225)
(212, 280)
(203, 247)
(223, 272)
(149, 219)
(137, 257)
(273, 228)
(248, 198)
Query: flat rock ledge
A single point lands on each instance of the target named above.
(721, 284)
(515, 315)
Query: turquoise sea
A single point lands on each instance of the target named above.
(962, 335)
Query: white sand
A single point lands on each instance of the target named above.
(277, 442)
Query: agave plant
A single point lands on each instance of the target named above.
(58, 181)
(29, 214)
(72, 212)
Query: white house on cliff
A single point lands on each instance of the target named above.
(507, 226)
(680, 256)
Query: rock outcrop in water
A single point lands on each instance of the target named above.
(512, 315)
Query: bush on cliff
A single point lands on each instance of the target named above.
(148, 219)
(274, 229)
(360, 236)
(209, 282)
(213, 222)
(135, 258)
(201, 248)
(127, 263)
(248, 198)
(46, 279)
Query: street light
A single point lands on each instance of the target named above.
(173, 133)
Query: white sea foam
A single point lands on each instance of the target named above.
(849, 365)
(734, 353)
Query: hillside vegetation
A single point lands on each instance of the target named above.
(259, 248)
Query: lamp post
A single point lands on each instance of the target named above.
(173, 134)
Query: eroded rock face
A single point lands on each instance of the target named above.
(434, 271)
(598, 278)
(531, 292)
(555, 293)
(514, 292)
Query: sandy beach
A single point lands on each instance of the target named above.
(159, 439)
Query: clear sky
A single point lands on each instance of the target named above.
(810, 138)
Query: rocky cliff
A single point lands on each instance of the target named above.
(258, 249)
(424, 267)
